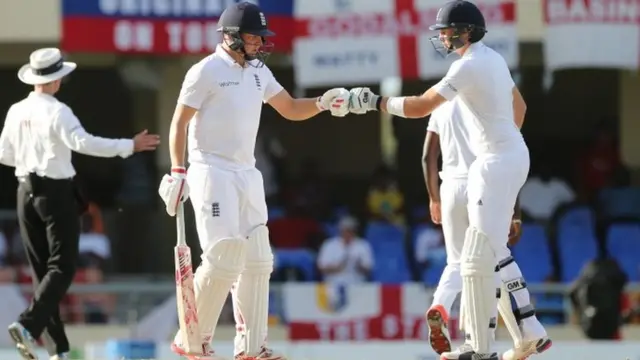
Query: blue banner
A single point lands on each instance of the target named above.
(165, 8)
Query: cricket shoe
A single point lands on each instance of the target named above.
(265, 354)
(60, 357)
(23, 340)
(528, 348)
(207, 353)
(437, 321)
(455, 354)
(465, 352)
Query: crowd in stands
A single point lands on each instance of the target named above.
(94, 249)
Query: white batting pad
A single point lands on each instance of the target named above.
(477, 268)
(220, 268)
(252, 291)
(506, 312)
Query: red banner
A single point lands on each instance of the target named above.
(158, 36)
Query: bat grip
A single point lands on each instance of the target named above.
(180, 225)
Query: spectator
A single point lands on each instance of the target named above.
(346, 258)
(295, 230)
(310, 191)
(268, 152)
(385, 201)
(96, 308)
(430, 247)
(94, 247)
(543, 193)
(599, 164)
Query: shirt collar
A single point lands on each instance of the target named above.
(224, 55)
(34, 94)
(473, 48)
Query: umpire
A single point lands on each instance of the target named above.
(37, 139)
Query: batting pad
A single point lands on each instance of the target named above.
(252, 291)
(220, 268)
(477, 268)
(509, 319)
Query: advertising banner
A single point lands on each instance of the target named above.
(592, 34)
(357, 42)
(405, 350)
(358, 312)
(162, 27)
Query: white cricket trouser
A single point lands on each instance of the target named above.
(227, 204)
(494, 181)
(455, 221)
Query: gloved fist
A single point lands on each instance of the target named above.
(174, 190)
(335, 100)
(362, 99)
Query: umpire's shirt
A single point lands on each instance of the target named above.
(39, 134)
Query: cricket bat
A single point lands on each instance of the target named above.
(185, 294)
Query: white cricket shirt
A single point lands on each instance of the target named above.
(229, 100)
(39, 134)
(482, 80)
(453, 131)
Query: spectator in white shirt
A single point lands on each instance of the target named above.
(430, 247)
(346, 258)
(542, 194)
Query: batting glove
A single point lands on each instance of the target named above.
(174, 190)
(335, 100)
(362, 99)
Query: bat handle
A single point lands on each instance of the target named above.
(180, 225)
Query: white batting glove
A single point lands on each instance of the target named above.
(362, 99)
(174, 190)
(335, 100)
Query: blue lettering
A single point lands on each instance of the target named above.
(353, 58)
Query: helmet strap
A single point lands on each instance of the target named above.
(237, 44)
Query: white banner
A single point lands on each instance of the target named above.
(592, 34)
(356, 42)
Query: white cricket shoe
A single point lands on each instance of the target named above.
(23, 340)
(207, 353)
(528, 348)
(265, 354)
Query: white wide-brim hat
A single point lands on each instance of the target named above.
(45, 65)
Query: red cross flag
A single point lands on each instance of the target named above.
(359, 42)
(592, 34)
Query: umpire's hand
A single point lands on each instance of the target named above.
(143, 141)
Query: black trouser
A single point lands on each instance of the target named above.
(50, 229)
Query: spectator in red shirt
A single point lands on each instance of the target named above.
(295, 230)
(599, 164)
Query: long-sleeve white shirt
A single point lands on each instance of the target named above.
(39, 134)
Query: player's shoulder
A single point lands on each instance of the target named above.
(52, 104)
(262, 70)
(206, 67)
(466, 65)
